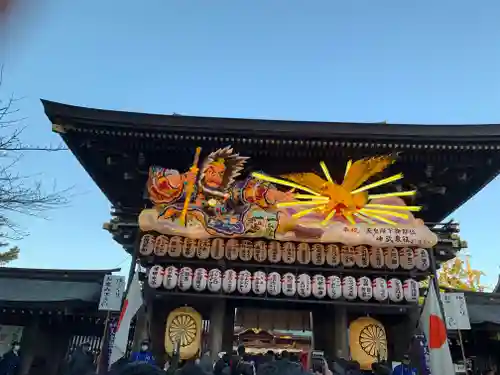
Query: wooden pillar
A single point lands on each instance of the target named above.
(341, 342)
(330, 331)
(158, 312)
(228, 327)
(217, 316)
(141, 331)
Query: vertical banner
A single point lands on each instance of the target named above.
(113, 323)
(112, 293)
(424, 355)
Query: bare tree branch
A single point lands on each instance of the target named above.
(20, 194)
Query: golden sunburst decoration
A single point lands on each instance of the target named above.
(350, 199)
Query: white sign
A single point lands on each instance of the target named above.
(9, 334)
(112, 293)
(455, 311)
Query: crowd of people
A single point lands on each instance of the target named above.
(142, 362)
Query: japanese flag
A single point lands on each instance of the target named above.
(131, 305)
(434, 328)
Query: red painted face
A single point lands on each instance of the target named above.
(214, 175)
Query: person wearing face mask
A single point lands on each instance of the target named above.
(405, 367)
(144, 354)
(10, 362)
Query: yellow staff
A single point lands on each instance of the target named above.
(189, 189)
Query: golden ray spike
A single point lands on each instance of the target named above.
(301, 203)
(347, 167)
(394, 207)
(304, 212)
(360, 216)
(380, 218)
(349, 218)
(309, 196)
(279, 181)
(395, 194)
(384, 212)
(326, 172)
(387, 180)
(329, 217)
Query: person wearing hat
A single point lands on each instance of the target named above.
(144, 355)
(405, 367)
(11, 361)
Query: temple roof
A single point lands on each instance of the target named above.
(24, 287)
(447, 164)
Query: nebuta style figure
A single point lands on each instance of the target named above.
(220, 204)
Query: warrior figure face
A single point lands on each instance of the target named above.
(214, 175)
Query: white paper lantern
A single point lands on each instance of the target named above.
(391, 258)
(318, 254)
(244, 283)
(304, 285)
(395, 288)
(229, 281)
(259, 282)
(334, 287)
(274, 251)
(274, 283)
(214, 280)
(332, 255)
(347, 256)
(380, 292)
(155, 276)
(319, 286)
(288, 284)
(362, 256)
(161, 245)
(411, 290)
(406, 258)
(170, 278)
(185, 280)
(422, 260)
(147, 244)
(349, 288)
(200, 279)
(377, 257)
(365, 291)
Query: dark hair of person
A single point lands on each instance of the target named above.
(285, 354)
(294, 357)
(280, 368)
(138, 368)
(241, 350)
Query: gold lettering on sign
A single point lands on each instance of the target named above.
(246, 250)
(260, 251)
(303, 253)
(161, 245)
(274, 251)
(232, 249)
(217, 249)
(288, 252)
(175, 247)
(332, 255)
(203, 251)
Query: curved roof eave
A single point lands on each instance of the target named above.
(63, 114)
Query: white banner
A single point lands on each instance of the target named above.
(9, 334)
(112, 293)
(455, 311)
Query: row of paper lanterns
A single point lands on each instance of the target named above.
(289, 284)
(287, 252)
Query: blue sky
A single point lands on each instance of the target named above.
(400, 61)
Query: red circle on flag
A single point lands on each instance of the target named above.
(437, 332)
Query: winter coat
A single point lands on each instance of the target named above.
(10, 363)
(80, 363)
